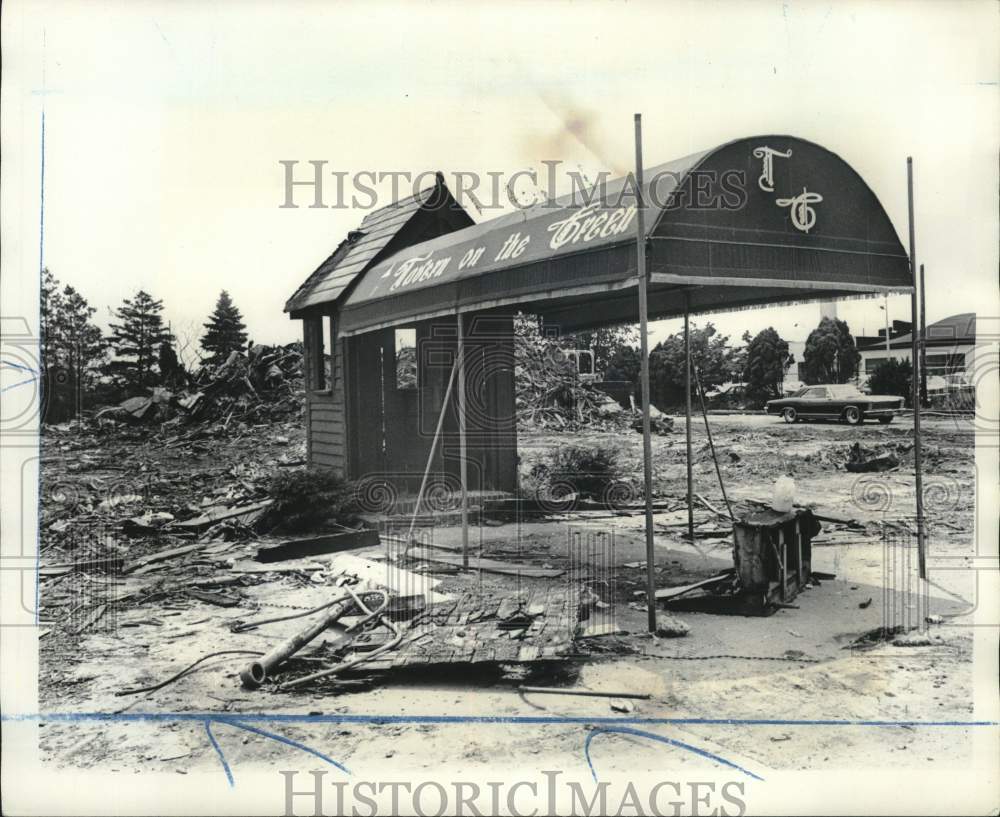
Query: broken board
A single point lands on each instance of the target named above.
(318, 545)
(431, 554)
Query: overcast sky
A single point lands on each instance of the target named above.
(165, 124)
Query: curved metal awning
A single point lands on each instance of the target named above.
(763, 220)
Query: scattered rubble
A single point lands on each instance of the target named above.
(862, 461)
(184, 568)
(668, 626)
(550, 395)
(263, 385)
(659, 423)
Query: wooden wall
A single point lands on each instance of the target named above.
(360, 425)
(326, 419)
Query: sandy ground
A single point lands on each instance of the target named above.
(797, 665)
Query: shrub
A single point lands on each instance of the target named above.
(307, 499)
(587, 471)
(892, 377)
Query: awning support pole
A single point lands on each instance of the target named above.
(687, 413)
(923, 340)
(647, 445)
(916, 374)
(462, 468)
(430, 454)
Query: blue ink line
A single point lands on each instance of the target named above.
(624, 730)
(289, 741)
(243, 717)
(15, 385)
(19, 366)
(218, 751)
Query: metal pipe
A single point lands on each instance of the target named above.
(923, 339)
(888, 349)
(687, 413)
(430, 454)
(391, 644)
(462, 449)
(711, 444)
(647, 445)
(256, 672)
(915, 371)
(589, 693)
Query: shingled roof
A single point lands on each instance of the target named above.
(954, 330)
(426, 214)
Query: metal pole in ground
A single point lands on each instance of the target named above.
(923, 339)
(888, 350)
(711, 443)
(430, 454)
(687, 414)
(647, 446)
(916, 374)
(462, 468)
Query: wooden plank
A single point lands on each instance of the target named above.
(674, 592)
(142, 562)
(326, 418)
(326, 457)
(382, 574)
(107, 563)
(334, 462)
(328, 426)
(327, 440)
(327, 407)
(306, 368)
(218, 515)
(316, 545)
(329, 449)
(492, 565)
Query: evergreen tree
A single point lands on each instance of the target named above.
(225, 330)
(49, 302)
(171, 370)
(137, 338)
(830, 355)
(767, 358)
(72, 349)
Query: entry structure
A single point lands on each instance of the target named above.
(418, 287)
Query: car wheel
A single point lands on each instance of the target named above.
(852, 414)
(790, 415)
(885, 420)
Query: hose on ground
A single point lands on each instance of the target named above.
(186, 671)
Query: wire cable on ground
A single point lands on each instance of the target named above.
(186, 671)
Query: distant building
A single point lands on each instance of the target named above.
(950, 347)
(896, 331)
(793, 377)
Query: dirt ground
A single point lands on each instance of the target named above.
(797, 665)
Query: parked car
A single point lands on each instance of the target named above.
(836, 402)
